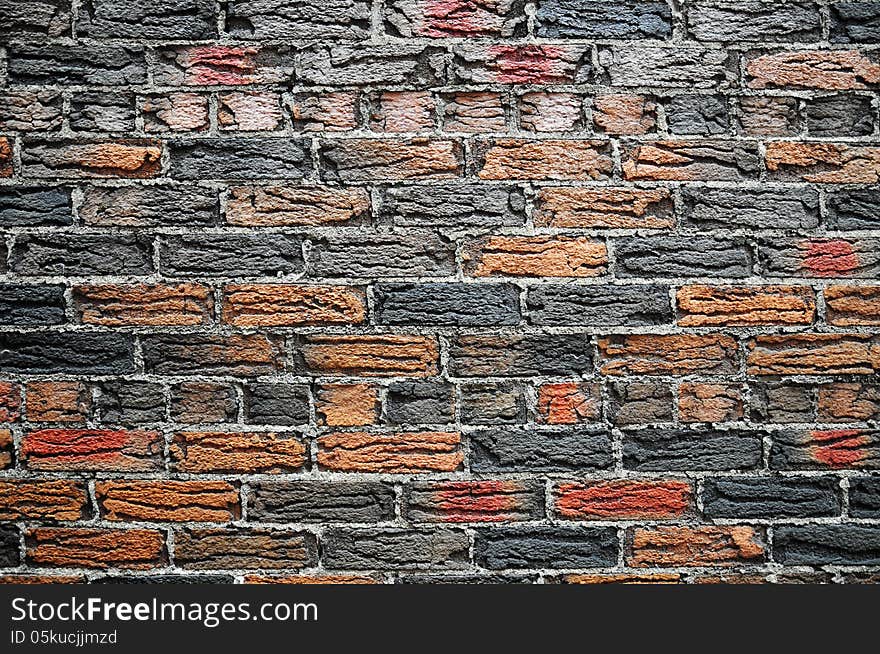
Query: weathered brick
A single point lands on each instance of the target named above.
(844, 544)
(196, 402)
(81, 254)
(129, 402)
(569, 403)
(75, 547)
(147, 206)
(755, 497)
(6, 163)
(290, 19)
(228, 65)
(476, 63)
(509, 158)
(57, 401)
(633, 403)
(545, 546)
(31, 304)
(390, 452)
(768, 116)
(369, 355)
(10, 401)
(812, 69)
(167, 501)
(447, 304)
(551, 112)
(864, 497)
(135, 158)
(268, 305)
(106, 65)
(702, 115)
(372, 255)
(685, 161)
(36, 18)
(854, 22)
(499, 403)
(240, 158)
(623, 499)
(9, 546)
(518, 355)
(848, 402)
(813, 354)
(24, 499)
(217, 549)
(92, 450)
(220, 255)
(368, 160)
(624, 114)
(473, 501)
(552, 304)
(789, 22)
(615, 207)
(147, 19)
(452, 205)
(320, 501)
(7, 449)
(402, 111)
(586, 19)
(236, 452)
(249, 111)
(419, 403)
(826, 449)
(737, 306)
(783, 402)
(840, 115)
(473, 112)
(399, 63)
(819, 257)
(852, 305)
(455, 18)
(823, 163)
(512, 449)
(102, 112)
(313, 579)
(853, 209)
(720, 208)
(649, 354)
(66, 353)
(30, 111)
(35, 207)
(672, 450)
(175, 112)
(191, 354)
(683, 256)
(276, 404)
(678, 67)
(534, 256)
(281, 206)
(621, 578)
(695, 546)
(346, 405)
(700, 402)
(395, 549)
(115, 305)
(325, 112)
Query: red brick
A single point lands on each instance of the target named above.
(370, 356)
(616, 208)
(167, 501)
(535, 256)
(236, 452)
(695, 546)
(7, 449)
(474, 501)
(139, 549)
(623, 499)
(117, 305)
(92, 450)
(408, 452)
(569, 403)
(282, 305)
(26, 499)
(226, 65)
(742, 306)
(508, 158)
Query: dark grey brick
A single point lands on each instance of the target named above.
(515, 449)
(414, 18)
(195, 402)
(844, 544)
(680, 449)
(276, 404)
(82, 254)
(702, 115)
(546, 547)
(97, 111)
(853, 208)
(776, 497)
(819, 257)
(109, 65)
(783, 402)
(320, 501)
(567, 304)
(33, 18)
(683, 256)
(395, 549)
(855, 22)
(471, 580)
(840, 115)
(502, 403)
(757, 20)
(419, 403)
(240, 158)
(661, 67)
(633, 403)
(714, 208)
(10, 555)
(147, 19)
(298, 19)
(31, 111)
(447, 304)
(864, 497)
(130, 403)
(382, 255)
(590, 19)
(460, 206)
(164, 579)
(356, 65)
(824, 449)
(257, 254)
(35, 207)
(520, 355)
(66, 353)
(31, 305)
(147, 206)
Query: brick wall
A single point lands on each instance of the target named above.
(420, 290)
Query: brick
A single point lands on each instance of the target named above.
(633, 403)
(783, 402)
(9, 546)
(369, 355)
(698, 402)
(768, 116)
(276, 404)
(402, 111)
(268, 305)
(75, 547)
(610, 207)
(134, 158)
(105, 65)
(164, 579)
(719, 208)
(35, 207)
(473, 501)
(66, 353)
(10, 401)
(368, 160)
(512, 449)
(167, 501)
(115, 305)
(844, 544)
(236, 354)
(686, 161)
(813, 354)
(57, 401)
(175, 112)
(854, 22)
(569, 403)
(419, 403)
(217, 549)
(679, 67)
(623, 500)
(227, 65)
(286, 19)
(545, 546)
(737, 306)
(249, 112)
(280, 206)
(520, 355)
(30, 111)
(789, 22)
(455, 18)
(598, 20)
(24, 499)
(648, 354)
(32, 304)
(7, 449)
(812, 69)
(702, 115)
(621, 578)
(147, 206)
(236, 452)
(312, 579)
(129, 403)
(401, 63)
(92, 450)
(755, 497)
(473, 112)
(499, 403)
(388, 452)
(852, 305)
(37, 17)
(508, 158)
(239, 158)
(624, 114)
(325, 112)
(82, 254)
(320, 501)
(696, 546)
(372, 255)
(233, 255)
(447, 304)
(476, 63)
(346, 405)
(840, 115)
(823, 163)
(197, 402)
(165, 19)
(688, 256)
(102, 112)
(848, 402)
(853, 209)
(551, 112)
(6, 163)
(832, 449)
(819, 257)
(540, 256)
(563, 304)
(42, 579)
(453, 205)
(673, 450)
(864, 497)
(395, 549)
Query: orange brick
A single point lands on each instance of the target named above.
(408, 452)
(509, 158)
(236, 452)
(347, 405)
(10, 402)
(569, 403)
(823, 163)
(684, 354)
(535, 256)
(624, 114)
(616, 208)
(281, 206)
(26, 499)
(95, 548)
(61, 401)
(814, 354)
(695, 546)
(813, 69)
(371, 356)
(740, 306)
(168, 501)
(853, 305)
(284, 305)
(709, 402)
(115, 305)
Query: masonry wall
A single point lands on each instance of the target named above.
(439, 290)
